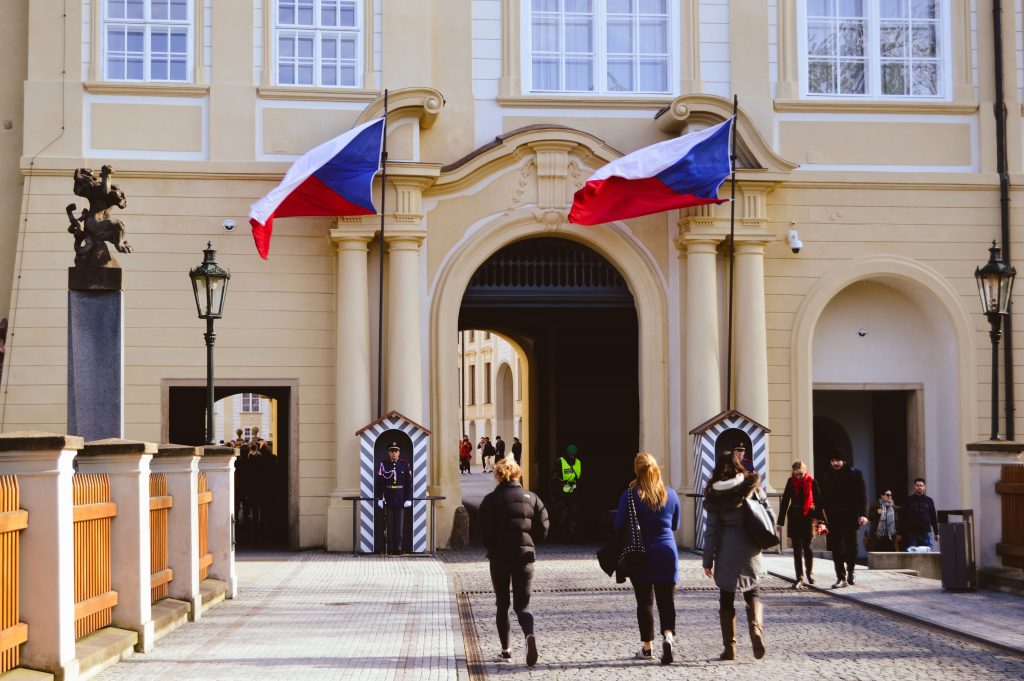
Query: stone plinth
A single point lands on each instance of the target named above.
(219, 465)
(180, 465)
(924, 564)
(95, 354)
(984, 460)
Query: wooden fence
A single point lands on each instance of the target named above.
(160, 504)
(205, 497)
(1011, 490)
(93, 512)
(13, 632)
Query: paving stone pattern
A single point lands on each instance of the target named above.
(315, 617)
(586, 629)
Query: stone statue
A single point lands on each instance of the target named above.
(95, 226)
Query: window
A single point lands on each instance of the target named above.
(318, 43)
(599, 46)
(878, 48)
(250, 402)
(487, 383)
(247, 433)
(472, 385)
(147, 40)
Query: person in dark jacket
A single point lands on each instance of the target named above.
(919, 517)
(499, 448)
(845, 498)
(800, 507)
(729, 554)
(513, 521)
(657, 510)
(517, 451)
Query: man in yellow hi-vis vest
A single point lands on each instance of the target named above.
(567, 472)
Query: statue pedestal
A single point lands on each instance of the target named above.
(95, 353)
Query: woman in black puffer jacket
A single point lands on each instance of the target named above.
(513, 520)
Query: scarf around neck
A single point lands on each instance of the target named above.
(806, 486)
(886, 519)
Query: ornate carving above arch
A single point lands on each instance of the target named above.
(753, 152)
(423, 103)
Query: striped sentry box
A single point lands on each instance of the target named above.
(705, 437)
(368, 436)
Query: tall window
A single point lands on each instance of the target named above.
(881, 48)
(600, 46)
(487, 383)
(318, 42)
(472, 385)
(147, 40)
(250, 402)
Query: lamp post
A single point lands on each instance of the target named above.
(210, 286)
(995, 283)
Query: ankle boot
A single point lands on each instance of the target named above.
(728, 622)
(755, 624)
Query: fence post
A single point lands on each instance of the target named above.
(180, 466)
(126, 463)
(984, 462)
(219, 465)
(43, 464)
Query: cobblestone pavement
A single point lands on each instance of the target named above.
(314, 616)
(586, 629)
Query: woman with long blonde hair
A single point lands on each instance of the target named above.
(657, 510)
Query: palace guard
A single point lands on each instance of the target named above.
(394, 495)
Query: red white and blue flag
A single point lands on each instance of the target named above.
(677, 173)
(334, 178)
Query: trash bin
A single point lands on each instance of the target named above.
(959, 564)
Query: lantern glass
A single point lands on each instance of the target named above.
(209, 285)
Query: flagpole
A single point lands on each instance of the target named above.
(380, 262)
(732, 253)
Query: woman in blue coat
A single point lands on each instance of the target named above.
(657, 510)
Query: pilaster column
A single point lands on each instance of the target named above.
(703, 364)
(126, 464)
(218, 463)
(750, 338)
(351, 378)
(984, 464)
(180, 465)
(403, 356)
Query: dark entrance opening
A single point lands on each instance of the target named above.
(186, 425)
(573, 313)
(380, 455)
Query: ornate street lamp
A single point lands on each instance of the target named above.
(210, 286)
(995, 283)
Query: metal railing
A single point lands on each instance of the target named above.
(355, 515)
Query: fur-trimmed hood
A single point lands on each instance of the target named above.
(726, 495)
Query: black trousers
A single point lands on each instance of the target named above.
(727, 600)
(663, 593)
(520, 576)
(844, 550)
(802, 554)
(395, 511)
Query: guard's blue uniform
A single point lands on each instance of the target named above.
(394, 486)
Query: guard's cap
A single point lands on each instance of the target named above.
(572, 450)
(739, 447)
(837, 455)
(394, 447)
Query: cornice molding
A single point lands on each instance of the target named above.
(874, 106)
(583, 102)
(316, 94)
(423, 103)
(147, 89)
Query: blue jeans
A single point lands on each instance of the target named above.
(919, 539)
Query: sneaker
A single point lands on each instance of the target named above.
(840, 583)
(504, 656)
(666, 650)
(531, 651)
(644, 653)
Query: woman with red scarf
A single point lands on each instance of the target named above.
(800, 507)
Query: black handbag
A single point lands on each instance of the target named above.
(632, 551)
(759, 520)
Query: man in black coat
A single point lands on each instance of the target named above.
(513, 520)
(919, 516)
(845, 498)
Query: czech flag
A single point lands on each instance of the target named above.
(335, 178)
(677, 173)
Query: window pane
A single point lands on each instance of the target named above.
(851, 8)
(136, 41)
(926, 79)
(347, 47)
(820, 38)
(135, 68)
(851, 78)
(135, 9)
(851, 39)
(347, 14)
(328, 15)
(328, 75)
(620, 6)
(115, 40)
(890, 9)
(179, 10)
(328, 48)
(347, 75)
(179, 70)
(285, 12)
(653, 7)
(585, 6)
(305, 13)
(653, 36)
(893, 37)
(179, 42)
(159, 10)
(545, 73)
(894, 79)
(924, 41)
(653, 75)
(115, 9)
(305, 74)
(158, 69)
(545, 35)
(286, 47)
(579, 74)
(158, 41)
(579, 35)
(924, 9)
(115, 68)
(545, 5)
(820, 8)
(620, 36)
(305, 48)
(821, 77)
(620, 75)
(286, 74)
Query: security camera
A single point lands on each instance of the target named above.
(794, 241)
(229, 225)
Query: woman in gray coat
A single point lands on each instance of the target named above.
(733, 559)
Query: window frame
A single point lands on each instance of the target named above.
(147, 23)
(944, 46)
(253, 400)
(600, 53)
(359, 28)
